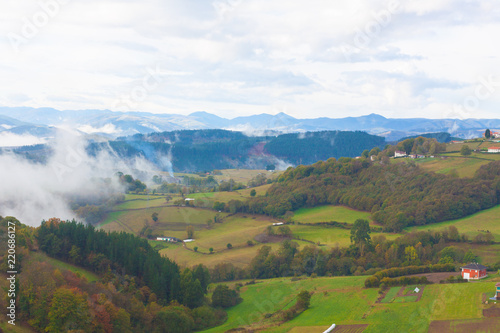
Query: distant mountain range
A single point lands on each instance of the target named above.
(41, 123)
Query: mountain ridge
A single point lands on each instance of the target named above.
(119, 123)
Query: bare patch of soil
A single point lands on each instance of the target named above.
(436, 277)
(465, 326)
(264, 238)
(491, 312)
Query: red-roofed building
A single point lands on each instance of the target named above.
(474, 271)
(494, 150)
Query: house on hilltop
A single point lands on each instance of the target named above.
(474, 271)
(399, 153)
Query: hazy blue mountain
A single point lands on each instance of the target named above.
(116, 124)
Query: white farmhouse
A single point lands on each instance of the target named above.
(399, 153)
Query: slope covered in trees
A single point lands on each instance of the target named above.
(137, 291)
(397, 195)
(219, 149)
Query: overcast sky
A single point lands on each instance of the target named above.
(335, 58)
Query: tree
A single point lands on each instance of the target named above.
(270, 167)
(469, 257)
(360, 232)
(411, 255)
(224, 297)
(229, 246)
(211, 250)
(253, 192)
(365, 153)
(303, 300)
(487, 134)
(284, 231)
(195, 249)
(374, 151)
(465, 150)
(68, 311)
(154, 216)
(190, 231)
(191, 290)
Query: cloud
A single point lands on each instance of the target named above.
(246, 57)
(35, 191)
(108, 129)
(8, 139)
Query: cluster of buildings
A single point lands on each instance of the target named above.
(399, 153)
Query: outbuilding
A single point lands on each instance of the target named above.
(474, 271)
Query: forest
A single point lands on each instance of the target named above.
(137, 289)
(199, 150)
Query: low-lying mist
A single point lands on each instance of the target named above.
(32, 191)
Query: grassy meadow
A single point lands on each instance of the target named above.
(345, 301)
(330, 213)
(471, 225)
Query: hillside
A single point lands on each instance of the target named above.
(191, 151)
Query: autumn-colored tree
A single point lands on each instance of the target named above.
(68, 311)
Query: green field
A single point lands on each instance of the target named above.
(172, 221)
(344, 301)
(391, 295)
(330, 213)
(465, 167)
(485, 220)
(329, 236)
(239, 257)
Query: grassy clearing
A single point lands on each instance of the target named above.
(485, 220)
(465, 167)
(144, 202)
(330, 213)
(329, 236)
(405, 299)
(61, 265)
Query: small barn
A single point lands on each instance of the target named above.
(494, 150)
(497, 294)
(474, 271)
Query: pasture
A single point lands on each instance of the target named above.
(330, 213)
(472, 225)
(344, 301)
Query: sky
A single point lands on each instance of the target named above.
(400, 59)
